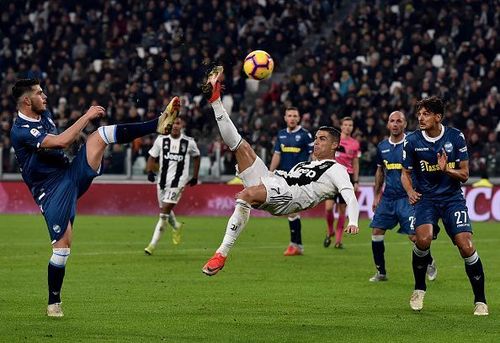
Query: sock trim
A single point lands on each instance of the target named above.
(378, 238)
(471, 259)
(420, 253)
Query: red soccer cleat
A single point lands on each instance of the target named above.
(215, 264)
(213, 86)
(293, 250)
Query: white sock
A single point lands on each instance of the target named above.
(173, 221)
(159, 229)
(235, 225)
(227, 129)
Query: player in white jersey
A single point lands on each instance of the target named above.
(173, 153)
(279, 193)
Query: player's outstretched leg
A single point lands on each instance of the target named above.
(235, 226)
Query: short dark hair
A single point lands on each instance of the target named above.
(433, 104)
(332, 131)
(22, 86)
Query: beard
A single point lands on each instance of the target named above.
(38, 109)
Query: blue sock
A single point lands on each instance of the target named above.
(420, 260)
(55, 277)
(295, 231)
(378, 249)
(126, 133)
(474, 270)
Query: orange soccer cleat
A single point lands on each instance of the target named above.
(215, 264)
(293, 250)
(213, 86)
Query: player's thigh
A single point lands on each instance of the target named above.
(254, 195)
(406, 216)
(455, 217)
(329, 205)
(245, 156)
(66, 239)
(95, 150)
(384, 217)
(252, 176)
(426, 212)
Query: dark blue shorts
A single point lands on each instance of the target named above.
(390, 212)
(58, 201)
(453, 212)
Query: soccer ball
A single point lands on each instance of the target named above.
(258, 65)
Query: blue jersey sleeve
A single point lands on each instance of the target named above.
(408, 153)
(31, 137)
(461, 146)
(310, 143)
(277, 145)
(378, 159)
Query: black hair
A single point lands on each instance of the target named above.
(22, 86)
(433, 104)
(332, 131)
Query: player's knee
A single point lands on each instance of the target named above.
(423, 241)
(59, 257)
(251, 195)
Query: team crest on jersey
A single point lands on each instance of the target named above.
(448, 147)
(297, 138)
(35, 133)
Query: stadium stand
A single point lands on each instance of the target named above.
(132, 56)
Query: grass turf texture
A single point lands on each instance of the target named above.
(113, 293)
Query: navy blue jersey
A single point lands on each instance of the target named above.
(390, 157)
(420, 156)
(38, 165)
(294, 147)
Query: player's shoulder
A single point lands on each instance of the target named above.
(454, 132)
(413, 136)
(383, 144)
(188, 138)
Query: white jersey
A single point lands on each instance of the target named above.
(304, 186)
(174, 159)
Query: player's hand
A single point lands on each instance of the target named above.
(352, 229)
(95, 112)
(442, 160)
(193, 181)
(414, 197)
(151, 176)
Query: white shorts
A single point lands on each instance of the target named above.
(281, 197)
(253, 174)
(169, 195)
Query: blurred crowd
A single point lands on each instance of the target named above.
(132, 56)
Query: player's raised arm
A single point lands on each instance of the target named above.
(66, 138)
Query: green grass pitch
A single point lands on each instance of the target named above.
(113, 293)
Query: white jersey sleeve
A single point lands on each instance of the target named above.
(193, 150)
(155, 150)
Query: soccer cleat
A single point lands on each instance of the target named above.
(481, 309)
(167, 117)
(293, 250)
(417, 300)
(55, 310)
(149, 249)
(378, 277)
(432, 271)
(215, 264)
(327, 241)
(339, 245)
(213, 86)
(176, 233)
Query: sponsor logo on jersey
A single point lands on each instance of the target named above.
(290, 149)
(426, 166)
(448, 147)
(35, 133)
(385, 151)
(173, 157)
(391, 166)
